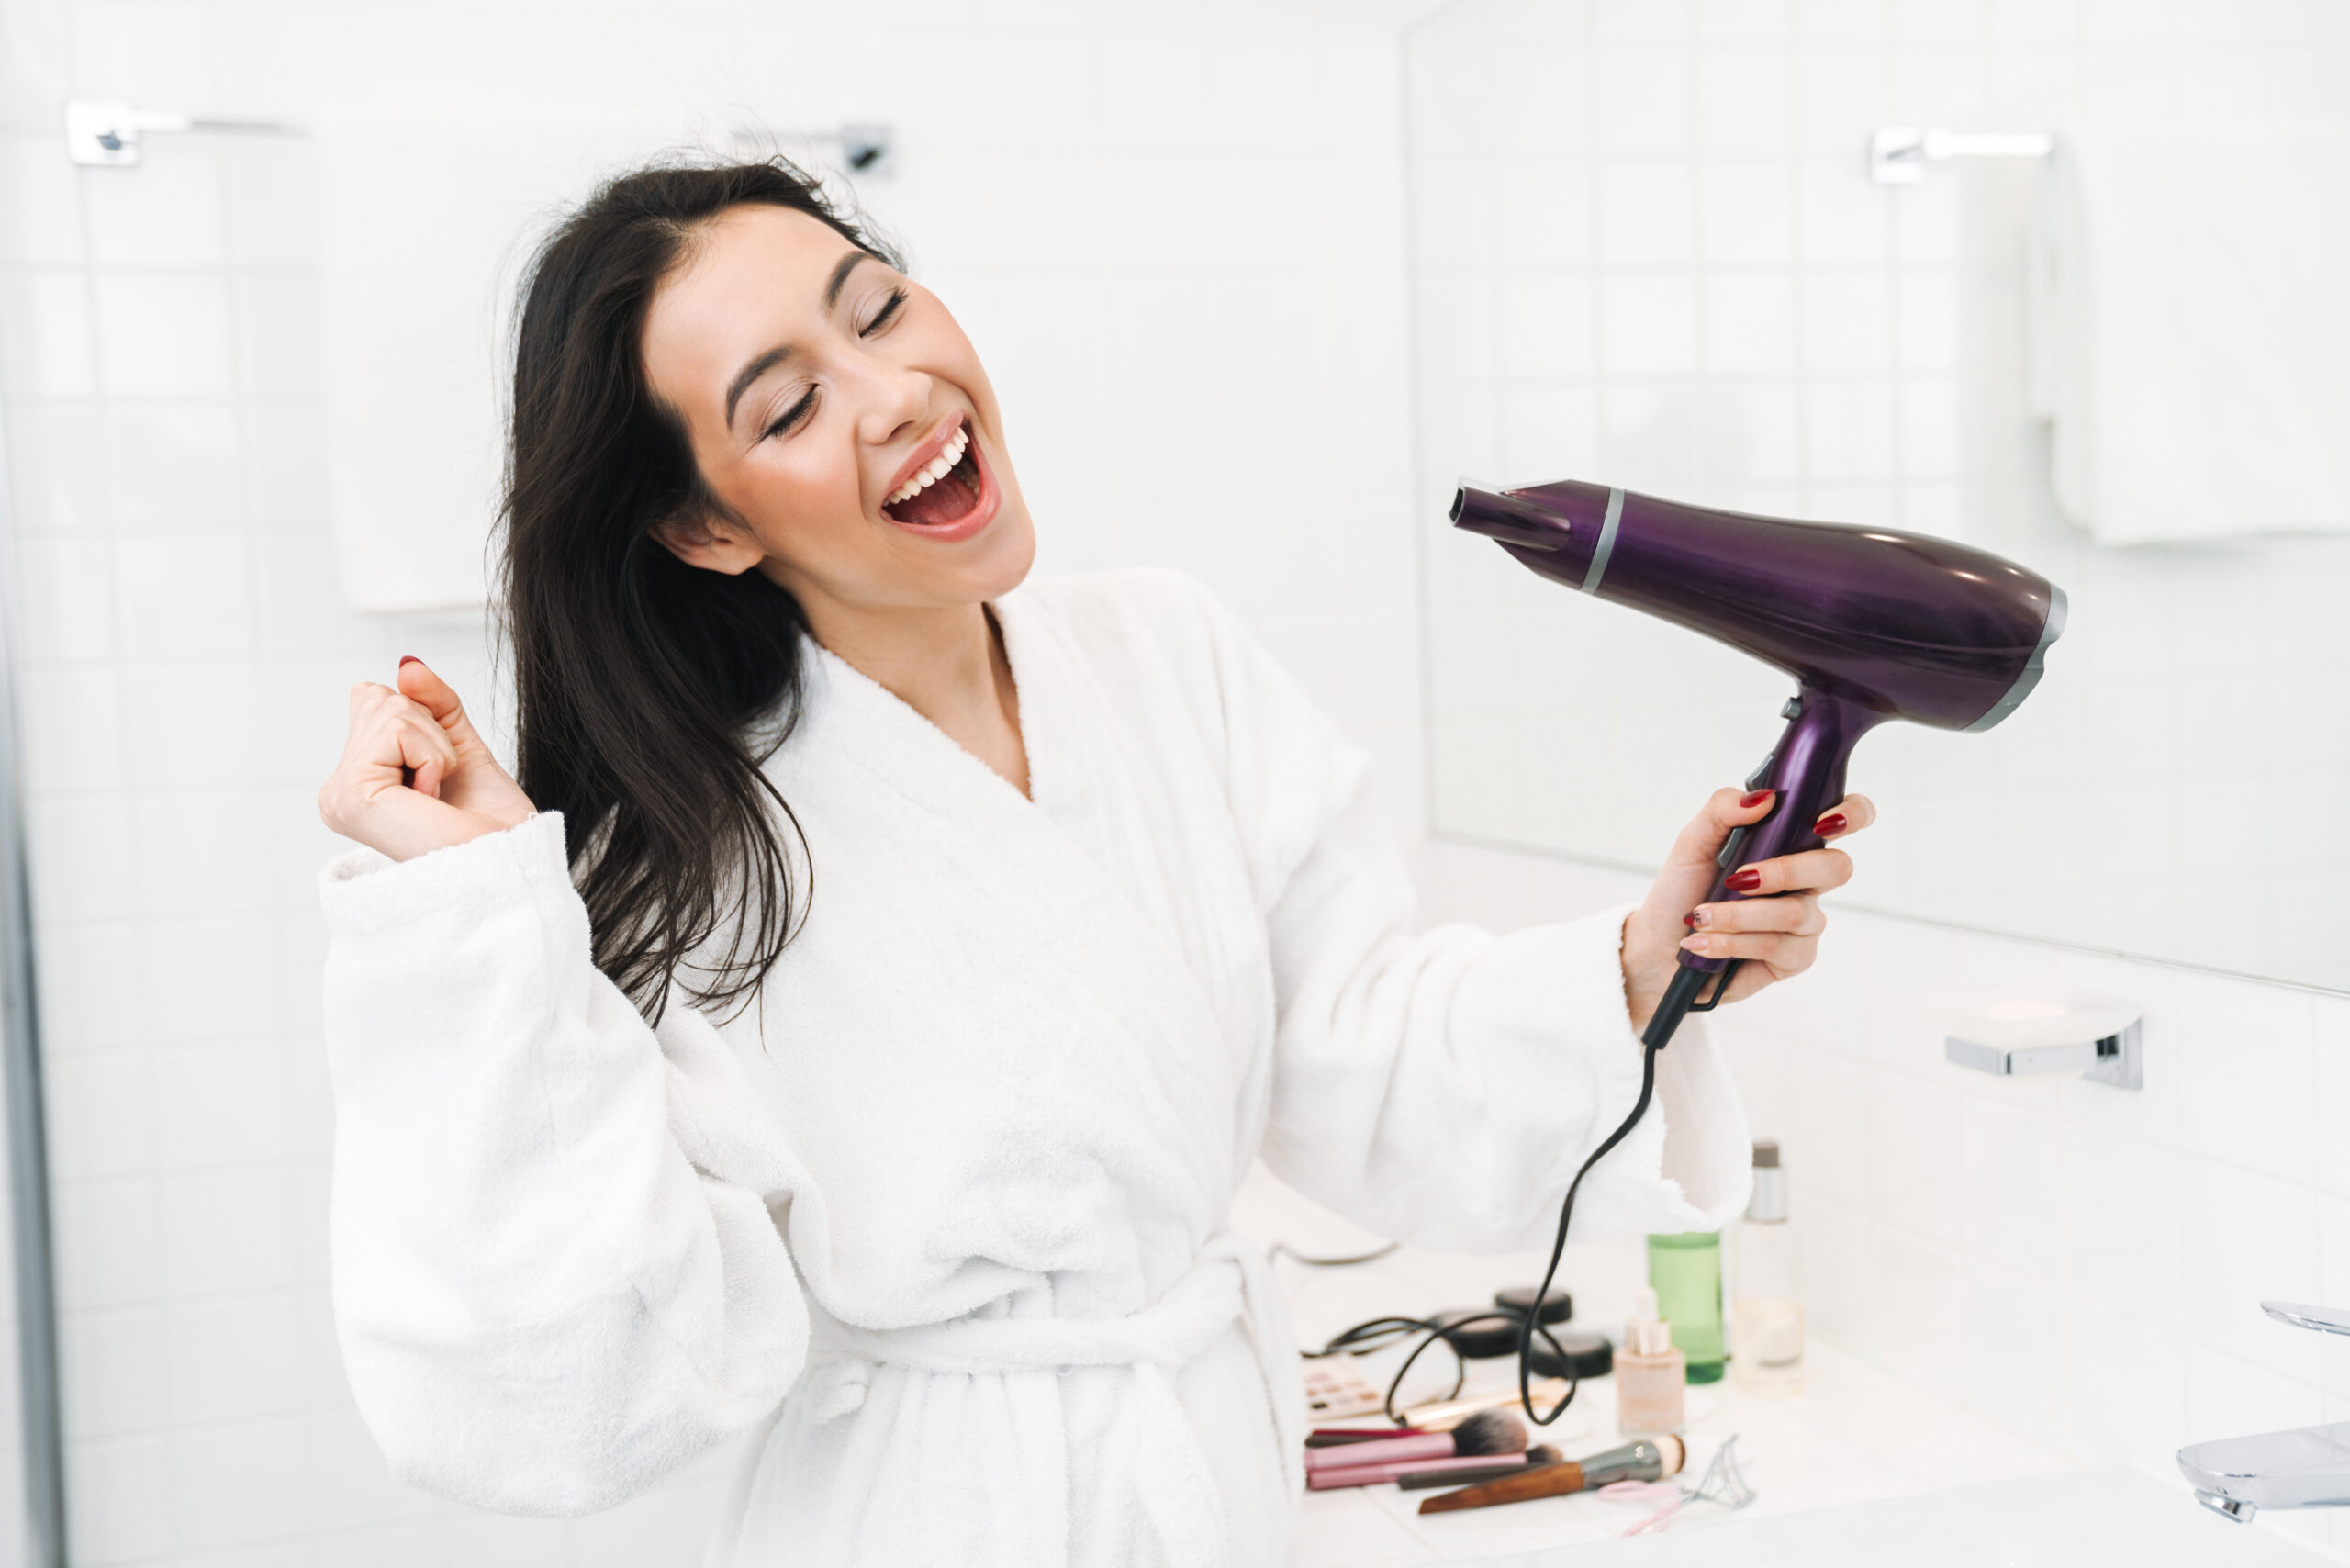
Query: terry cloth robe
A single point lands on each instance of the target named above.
(939, 1221)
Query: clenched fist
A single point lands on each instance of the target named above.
(414, 776)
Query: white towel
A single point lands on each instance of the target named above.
(2191, 331)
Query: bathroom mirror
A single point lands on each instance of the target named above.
(1648, 252)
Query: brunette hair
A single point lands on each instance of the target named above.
(649, 693)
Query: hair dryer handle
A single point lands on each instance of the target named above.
(1805, 772)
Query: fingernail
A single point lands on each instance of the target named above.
(1747, 803)
(1744, 882)
(1830, 825)
(1697, 943)
(1698, 917)
(407, 659)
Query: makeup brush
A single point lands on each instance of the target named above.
(1484, 1433)
(1421, 1480)
(1651, 1458)
(1455, 1471)
(1338, 1437)
(1443, 1415)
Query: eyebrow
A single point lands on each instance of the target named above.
(750, 374)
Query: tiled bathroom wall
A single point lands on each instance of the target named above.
(1673, 274)
(1175, 234)
(1650, 254)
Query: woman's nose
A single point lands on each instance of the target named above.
(892, 398)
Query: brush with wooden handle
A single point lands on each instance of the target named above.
(1650, 1459)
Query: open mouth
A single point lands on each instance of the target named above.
(944, 493)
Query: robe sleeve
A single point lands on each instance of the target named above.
(1441, 1087)
(546, 1301)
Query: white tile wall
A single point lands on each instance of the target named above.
(1651, 255)
(1177, 235)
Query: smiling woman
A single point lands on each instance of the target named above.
(700, 471)
(921, 1185)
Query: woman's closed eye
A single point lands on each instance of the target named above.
(793, 416)
(887, 314)
(797, 415)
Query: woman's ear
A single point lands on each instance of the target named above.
(712, 543)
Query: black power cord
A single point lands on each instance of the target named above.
(1679, 1000)
(1379, 1333)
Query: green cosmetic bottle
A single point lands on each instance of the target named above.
(1685, 1270)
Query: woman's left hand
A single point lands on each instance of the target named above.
(1777, 936)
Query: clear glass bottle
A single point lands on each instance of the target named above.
(1766, 1315)
(1687, 1270)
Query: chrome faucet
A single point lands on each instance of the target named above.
(2306, 1468)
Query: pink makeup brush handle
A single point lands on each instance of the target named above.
(1328, 1477)
(1354, 1456)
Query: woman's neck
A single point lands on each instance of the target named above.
(946, 664)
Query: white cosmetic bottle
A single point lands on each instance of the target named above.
(1767, 1310)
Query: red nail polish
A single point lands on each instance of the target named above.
(1690, 921)
(1749, 801)
(1830, 825)
(407, 659)
(1744, 882)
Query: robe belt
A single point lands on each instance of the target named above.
(1229, 1281)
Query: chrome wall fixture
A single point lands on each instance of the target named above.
(1899, 153)
(2115, 1058)
(2030, 1036)
(105, 132)
(2308, 1467)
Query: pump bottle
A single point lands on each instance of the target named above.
(1651, 1373)
(1766, 1303)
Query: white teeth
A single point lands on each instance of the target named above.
(948, 455)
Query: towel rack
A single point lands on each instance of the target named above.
(1899, 153)
(105, 133)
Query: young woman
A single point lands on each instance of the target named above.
(851, 1028)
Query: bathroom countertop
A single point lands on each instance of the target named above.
(1854, 1435)
(1838, 1470)
(1853, 1472)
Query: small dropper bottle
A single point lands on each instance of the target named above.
(1650, 1374)
(1766, 1313)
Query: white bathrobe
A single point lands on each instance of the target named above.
(940, 1220)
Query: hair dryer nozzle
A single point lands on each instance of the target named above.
(1505, 517)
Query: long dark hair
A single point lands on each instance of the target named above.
(648, 692)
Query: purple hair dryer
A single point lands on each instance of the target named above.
(1872, 624)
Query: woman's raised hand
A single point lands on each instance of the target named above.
(414, 776)
(1778, 937)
